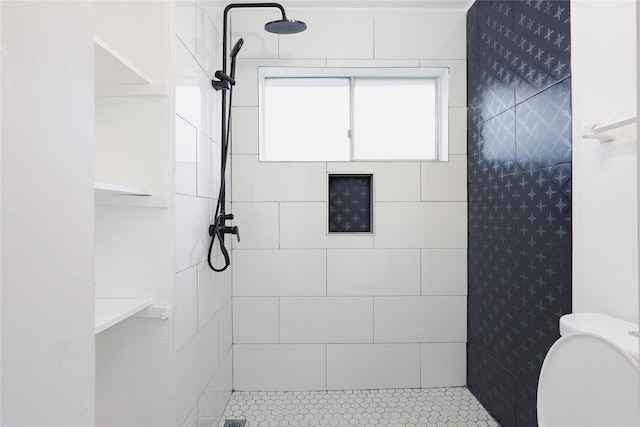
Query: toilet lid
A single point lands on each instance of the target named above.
(586, 380)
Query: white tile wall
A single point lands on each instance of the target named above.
(250, 26)
(304, 226)
(279, 273)
(373, 272)
(203, 312)
(225, 330)
(371, 366)
(420, 319)
(457, 130)
(213, 401)
(259, 224)
(214, 291)
(421, 225)
(457, 79)
(246, 90)
(192, 225)
(331, 35)
(255, 320)
(186, 157)
(443, 271)
(279, 367)
(208, 182)
(245, 130)
(186, 318)
(443, 364)
(445, 32)
(326, 320)
(308, 304)
(267, 182)
(392, 181)
(196, 363)
(445, 181)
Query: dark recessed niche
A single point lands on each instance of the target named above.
(350, 203)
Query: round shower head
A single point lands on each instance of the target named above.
(285, 26)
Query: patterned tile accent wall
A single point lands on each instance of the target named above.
(350, 203)
(519, 172)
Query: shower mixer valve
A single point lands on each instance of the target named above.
(220, 228)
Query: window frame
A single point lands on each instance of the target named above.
(440, 74)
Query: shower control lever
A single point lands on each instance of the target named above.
(220, 228)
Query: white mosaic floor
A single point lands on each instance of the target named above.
(453, 406)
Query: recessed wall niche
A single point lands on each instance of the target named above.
(350, 203)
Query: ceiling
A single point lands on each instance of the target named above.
(375, 4)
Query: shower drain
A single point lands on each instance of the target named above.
(235, 423)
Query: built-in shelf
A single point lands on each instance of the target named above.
(112, 311)
(113, 68)
(107, 189)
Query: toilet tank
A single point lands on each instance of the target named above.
(622, 333)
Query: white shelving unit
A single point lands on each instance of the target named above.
(109, 312)
(134, 216)
(112, 68)
(107, 189)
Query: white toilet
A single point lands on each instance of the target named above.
(590, 376)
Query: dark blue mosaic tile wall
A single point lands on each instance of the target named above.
(519, 171)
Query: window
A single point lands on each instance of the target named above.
(353, 114)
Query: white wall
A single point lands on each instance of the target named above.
(203, 298)
(313, 311)
(47, 313)
(605, 224)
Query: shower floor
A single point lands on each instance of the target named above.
(451, 406)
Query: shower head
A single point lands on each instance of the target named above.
(285, 26)
(236, 48)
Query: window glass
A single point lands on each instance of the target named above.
(394, 119)
(305, 119)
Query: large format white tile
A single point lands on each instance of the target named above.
(196, 363)
(445, 181)
(214, 291)
(186, 316)
(373, 366)
(303, 225)
(208, 167)
(331, 34)
(457, 90)
(443, 271)
(225, 330)
(457, 130)
(186, 157)
(246, 90)
(392, 181)
(372, 63)
(420, 319)
(373, 272)
(245, 130)
(188, 93)
(214, 399)
(192, 225)
(255, 320)
(443, 365)
(421, 225)
(279, 273)
(255, 181)
(444, 30)
(249, 24)
(259, 225)
(326, 320)
(185, 22)
(282, 367)
(208, 46)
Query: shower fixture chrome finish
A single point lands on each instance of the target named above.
(225, 83)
